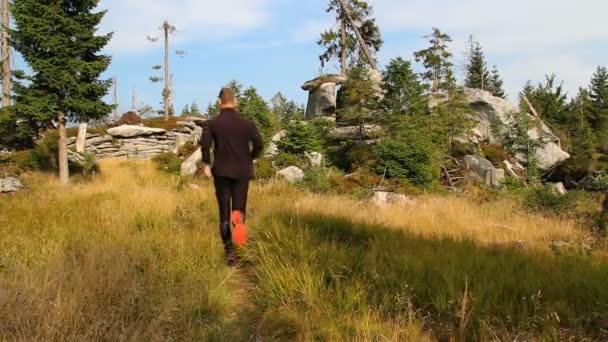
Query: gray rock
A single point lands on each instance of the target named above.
(10, 184)
(180, 141)
(383, 198)
(483, 170)
(558, 188)
(273, 147)
(489, 108)
(315, 158)
(321, 101)
(129, 131)
(292, 174)
(191, 164)
(352, 132)
(189, 124)
(99, 140)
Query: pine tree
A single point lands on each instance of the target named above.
(549, 100)
(213, 109)
(404, 94)
(598, 93)
(194, 108)
(436, 60)
(360, 100)
(253, 107)
(478, 76)
(58, 41)
(496, 85)
(186, 110)
(357, 37)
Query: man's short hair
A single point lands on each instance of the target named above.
(226, 96)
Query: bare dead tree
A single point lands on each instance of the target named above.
(6, 57)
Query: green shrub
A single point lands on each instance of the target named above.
(168, 162)
(187, 150)
(300, 137)
(286, 159)
(362, 156)
(495, 153)
(409, 158)
(317, 181)
(264, 169)
(543, 198)
(44, 155)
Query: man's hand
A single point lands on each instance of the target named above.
(207, 171)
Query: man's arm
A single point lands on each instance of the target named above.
(206, 143)
(257, 142)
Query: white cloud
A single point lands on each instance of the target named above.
(196, 20)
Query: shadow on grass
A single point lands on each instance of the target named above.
(506, 291)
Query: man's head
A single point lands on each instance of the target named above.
(226, 99)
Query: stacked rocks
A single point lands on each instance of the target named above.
(132, 141)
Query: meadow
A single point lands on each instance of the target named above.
(134, 254)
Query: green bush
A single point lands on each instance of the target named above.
(495, 153)
(168, 162)
(300, 137)
(410, 158)
(543, 198)
(264, 169)
(44, 155)
(317, 181)
(286, 159)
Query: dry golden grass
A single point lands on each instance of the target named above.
(135, 254)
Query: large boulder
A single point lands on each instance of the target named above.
(273, 147)
(322, 95)
(483, 170)
(190, 166)
(315, 158)
(489, 109)
(292, 174)
(130, 131)
(10, 184)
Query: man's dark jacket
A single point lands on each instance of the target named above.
(236, 143)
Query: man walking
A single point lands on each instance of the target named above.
(236, 143)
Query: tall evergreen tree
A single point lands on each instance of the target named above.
(436, 60)
(496, 85)
(186, 110)
(478, 76)
(357, 37)
(253, 107)
(194, 109)
(404, 94)
(549, 100)
(598, 93)
(58, 40)
(360, 99)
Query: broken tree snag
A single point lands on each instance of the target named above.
(368, 53)
(532, 109)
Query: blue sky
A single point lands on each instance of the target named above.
(271, 44)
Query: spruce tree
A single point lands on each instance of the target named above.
(253, 107)
(360, 100)
(598, 93)
(436, 60)
(59, 42)
(355, 25)
(549, 100)
(186, 110)
(478, 76)
(404, 94)
(496, 85)
(194, 108)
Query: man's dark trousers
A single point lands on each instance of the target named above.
(231, 195)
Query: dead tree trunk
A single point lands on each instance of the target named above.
(343, 47)
(6, 57)
(605, 206)
(364, 47)
(64, 172)
(166, 28)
